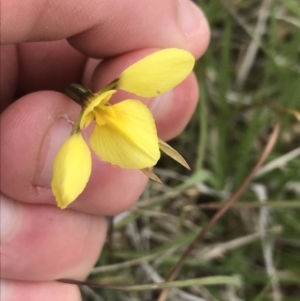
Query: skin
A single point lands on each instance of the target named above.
(39, 242)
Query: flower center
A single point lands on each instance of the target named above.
(103, 114)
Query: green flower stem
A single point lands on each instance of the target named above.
(76, 127)
(112, 86)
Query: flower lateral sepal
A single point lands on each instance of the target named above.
(71, 170)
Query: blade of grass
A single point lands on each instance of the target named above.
(213, 280)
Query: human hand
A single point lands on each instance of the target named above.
(39, 242)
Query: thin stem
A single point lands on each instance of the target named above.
(76, 127)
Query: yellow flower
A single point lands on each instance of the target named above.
(124, 134)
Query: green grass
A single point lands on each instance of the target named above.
(224, 140)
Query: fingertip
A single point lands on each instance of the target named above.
(194, 25)
(110, 190)
(66, 243)
(176, 114)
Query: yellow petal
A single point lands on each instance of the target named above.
(99, 99)
(125, 135)
(71, 170)
(157, 73)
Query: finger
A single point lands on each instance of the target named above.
(42, 242)
(37, 291)
(100, 28)
(180, 103)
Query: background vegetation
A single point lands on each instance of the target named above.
(249, 77)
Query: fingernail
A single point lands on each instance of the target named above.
(10, 217)
(190, 17)
(161, 105)
(53, 140)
